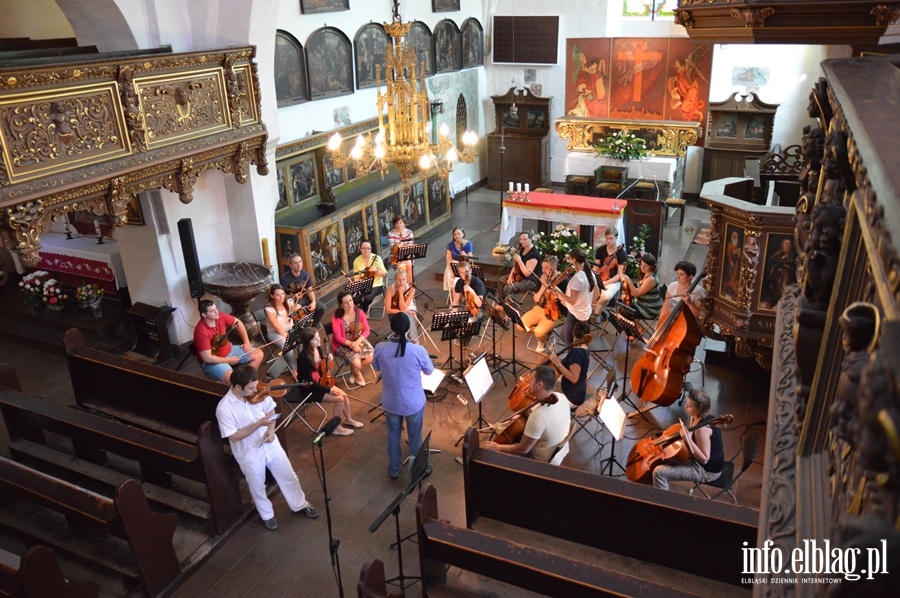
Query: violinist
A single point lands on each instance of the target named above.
(401, 298)
(250, 429)
(368, 265)
(548, 424)
(537, 318)
(610, 267)
(456, 249)
(573, 368)
(278, 314)
(399, 236)
(468, 290)
(300, 283)
(704, 444)
(675, 291)
(212, 329)
(349, 338)
(523, 278)
(308, 371)
(577, 297)
(645, 295)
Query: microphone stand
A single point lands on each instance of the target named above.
(333, 543)
(502, 151)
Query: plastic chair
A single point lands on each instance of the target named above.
(727, 480)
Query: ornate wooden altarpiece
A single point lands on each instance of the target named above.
(664, 138)
(92, 133)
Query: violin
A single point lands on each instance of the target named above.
(470, 303)
(368, 272)
(517, 273)
(299, 313)
(549, 300)
(326, 378)
(395, 254)
(220, 341)
(355, 329)
(625, 295)
(275, 388)
(609, 264)
(670, 446)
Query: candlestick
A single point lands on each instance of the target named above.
(518, 187)
(265, 250)
(511, 187)
(527, 188)
(68, 228)
(98, 231)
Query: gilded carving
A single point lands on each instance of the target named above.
(134, 118)
(749, 262)
(822, 253)
(685, 18)
(672, 138)
(753, 17)
(885, 16)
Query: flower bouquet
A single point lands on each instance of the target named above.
(53, 295)
(32, 285)
(87, 294)
(622, 145)
(562, 240)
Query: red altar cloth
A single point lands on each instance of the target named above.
(73, 270)
(570, 203)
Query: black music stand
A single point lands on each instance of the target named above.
(497, 362)
(293, 338)
(516, 316)
(449, 320)
(614, 419)
(464, 333)
(413, 252)
(627, 327)
(419, 469)
(360, 288)
(479, 381)
(477, 272)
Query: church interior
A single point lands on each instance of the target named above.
(159, 154)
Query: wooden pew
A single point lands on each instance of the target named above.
(606, 513)
(37, 575)
(126, 516)
(441, 543)
(163, 400)
(27, 419)
(372, 582)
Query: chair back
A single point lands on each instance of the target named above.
(751, 446)
(262, 321)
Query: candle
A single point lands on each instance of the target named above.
(527, 189)
(518, 187)
(510, 186)
(265, 250)
(97, 227)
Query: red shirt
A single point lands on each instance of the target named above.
(203, 335)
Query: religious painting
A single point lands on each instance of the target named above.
(326, 250)
(414, 205)
(755, 128)
(287, 243)
(587, 77)
(303, 179)
(731, 262)
(447, 47)
(444, 5)
(637, 78)
(372, 227)
(779, 269)
(290, 70)
(282, 190)
(689, 69)
(510, 120)
(369, 45)
(353, 234)
(334, 176)
(419, 37)
(750, 76)
(314, 6)
(726, 126)
(387, 209)
(134, 214)
(437, 197)
(473, 44)
(330, 63)
(535, 118)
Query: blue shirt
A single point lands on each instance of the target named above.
(401, 377)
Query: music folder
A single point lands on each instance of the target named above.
(431, 381)
(613, 417)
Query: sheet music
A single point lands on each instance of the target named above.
(613, 417)
(431, 381)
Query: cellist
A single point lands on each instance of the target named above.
(537, 318)
(307, 371)
(675, 291)
(548, 424)
(468, 289)
(704, 444)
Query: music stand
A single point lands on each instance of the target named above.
(412, 252)
(448, 320)
(360, 288)
(463, 334)
(627, 327)
(613, 417)
(479, 381)
(292, 341)
(477, 272)
(516, 316)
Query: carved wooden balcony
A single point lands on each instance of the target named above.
(89, 133)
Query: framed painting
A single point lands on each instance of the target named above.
(287, 243)
(291, 86)
(779, 269)
(334, 176)
(731, 262)
(326, 250)
(313, 6)
(387, 209)
(420, 38)
(369, 45)
(447, 47)
(444, 5)
(755, 128)
(329, 60)
(134, 214)
(353, 233)
(303, 179)
(437, 197)
(372, 226)
(414, 205)
(472, 44)
(282, 190)
(726, 126)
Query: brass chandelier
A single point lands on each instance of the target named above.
(407, 134)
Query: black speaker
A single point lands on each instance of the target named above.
(191, 262)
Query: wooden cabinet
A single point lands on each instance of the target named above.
(523, 127)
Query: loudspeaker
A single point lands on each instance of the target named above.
(191, 262)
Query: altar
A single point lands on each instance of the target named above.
(660, 168)
(81, 259)
(556, 207)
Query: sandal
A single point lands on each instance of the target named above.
(352, 423)
(342, 431)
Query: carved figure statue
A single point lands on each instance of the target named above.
(859, 328)
(822, 252)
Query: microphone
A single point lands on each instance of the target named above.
(333, 423)
(625, 190)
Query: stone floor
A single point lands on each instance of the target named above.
(295, 561)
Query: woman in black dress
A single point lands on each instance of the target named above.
(307, 362)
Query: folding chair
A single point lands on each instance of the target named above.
(299, 409)
(279, 365)
(563, 449)
(373, 307)
(727, 480)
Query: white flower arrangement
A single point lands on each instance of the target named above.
(560, 242)
(33, 285)
(52, 292)
(622, 145)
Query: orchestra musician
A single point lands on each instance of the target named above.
(645, 294)
(400, 235)
(217, 363)
(278, 314)
(523, 277)
(456, 248)
(537, 319)
(369, 265)
(468, 289)
(250, 430)
(675, 291)
(610, 267)
(301, 285)
(704, 444)
(401, 298)
(308, 370)
(548, 424)
(578, 295)
(349, 338)
(573, 368)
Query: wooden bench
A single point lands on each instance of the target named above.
(606, 513)
(126, 516)
(37, 575)
(27, 419)
(162, 400)
(441, 543)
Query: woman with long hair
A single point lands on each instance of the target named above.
(455, 248)
(349, 337)
(278, 314)
(645, 292)
(307, 371)
(578, 295)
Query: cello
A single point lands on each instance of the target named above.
(550, 300)
(658, 375)
(648, 453)
(521, 396)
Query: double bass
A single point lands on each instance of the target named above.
(648, 453)
(658, 375)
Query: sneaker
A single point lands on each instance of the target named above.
(352, 423)
(342, 431)
(271, 523)
(310, 511)
(394, 477)
(541, 347)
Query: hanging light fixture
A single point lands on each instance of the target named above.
(408, 136)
